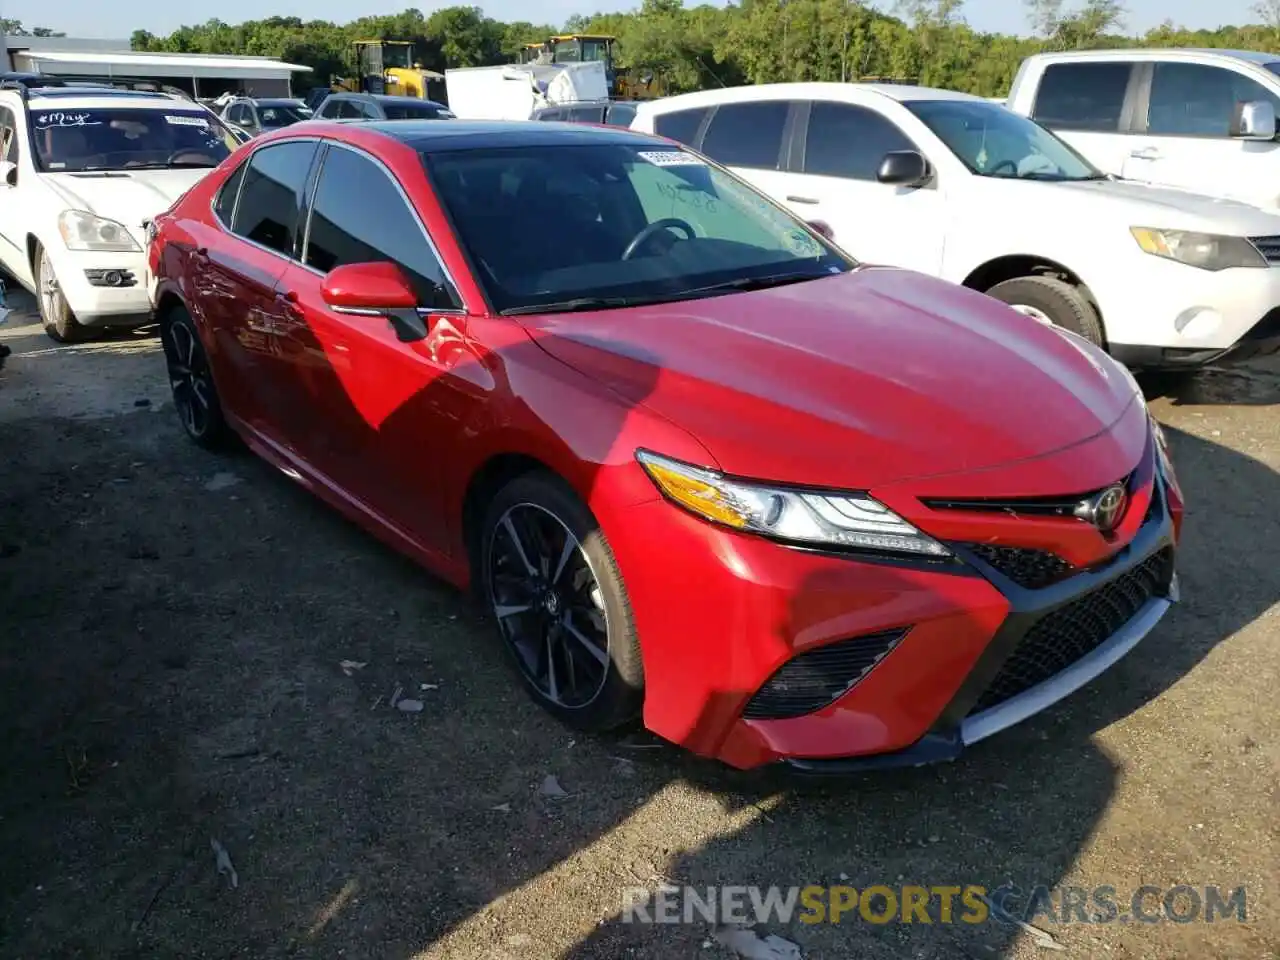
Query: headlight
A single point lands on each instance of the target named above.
(84, 231)
(848, 520)
(1162, 451)
(1208, 251)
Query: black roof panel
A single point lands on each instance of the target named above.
(431, 136)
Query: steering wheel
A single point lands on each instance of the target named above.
(186, 152)
(1013, 168)
(652, 230)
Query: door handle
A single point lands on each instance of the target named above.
(1146, 153)
(801, 200)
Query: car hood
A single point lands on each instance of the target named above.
(1137, 204)
(871, 377)
(126, 197)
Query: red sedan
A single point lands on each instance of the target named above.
(703, 468)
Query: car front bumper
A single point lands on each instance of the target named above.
(1169, 315)
(104, 289)
(729, 626)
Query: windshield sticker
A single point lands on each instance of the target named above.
(670, 158)
(57, 118)
(186, 120)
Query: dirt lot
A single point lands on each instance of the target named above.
(172, 626)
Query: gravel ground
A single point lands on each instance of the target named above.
(172, 631)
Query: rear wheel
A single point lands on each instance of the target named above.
(191, 380)
(554, 589)
(1054, 301)
(55, 313)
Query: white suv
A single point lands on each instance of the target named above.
(959, 187)
(81, 173)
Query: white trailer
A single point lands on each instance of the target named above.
(514, 92)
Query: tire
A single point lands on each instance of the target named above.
(608, 682)
(55, 313)
(1055, 299)
(191, 379)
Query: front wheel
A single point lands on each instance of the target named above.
(1052, 301)
(553, 587)
(191, 380)
(55, 313)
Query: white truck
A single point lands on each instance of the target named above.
(1197, 120)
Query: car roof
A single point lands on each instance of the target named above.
(432, 136)
(276, 101)
(1163, 53)
(87, 98)
(813, 90)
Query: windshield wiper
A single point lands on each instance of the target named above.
(570, 306)
(613, 303)
(181, 165)
(755, 283)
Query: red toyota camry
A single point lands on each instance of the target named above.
(703, 468)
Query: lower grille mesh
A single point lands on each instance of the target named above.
(1026, 567)
(1079, 627)
(815, 678)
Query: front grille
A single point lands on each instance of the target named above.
(110, 278)
(1062, 505)
(1025, 566)
(1077, 628)
(816, 678)
(1269, 247)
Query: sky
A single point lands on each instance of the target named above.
(119, 18)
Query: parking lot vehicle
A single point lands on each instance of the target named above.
(82, 170)
(1200, 120)
(369, 106)
(702, 466)
(959, 187)
(615, 113)
(258, 115)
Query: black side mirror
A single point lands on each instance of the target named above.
(904, 168)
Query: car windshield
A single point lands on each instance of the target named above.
(590, 226)
(276, 115)
(123, 139)
(994, 142)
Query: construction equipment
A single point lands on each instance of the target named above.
(586, 47)
(387, 66)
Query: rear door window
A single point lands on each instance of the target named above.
(272, 194)
(682, 125)
(1082, 96)
(747, 134)
(225, 204)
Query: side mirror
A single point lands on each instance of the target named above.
(1255, 120)
(375, 290)
(823, 228)
(8, 173)
(904, 168)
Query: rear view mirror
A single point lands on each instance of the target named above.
(1255, 120)
(375, 290)
(904, 168)
(8, 173)
(823, 228)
